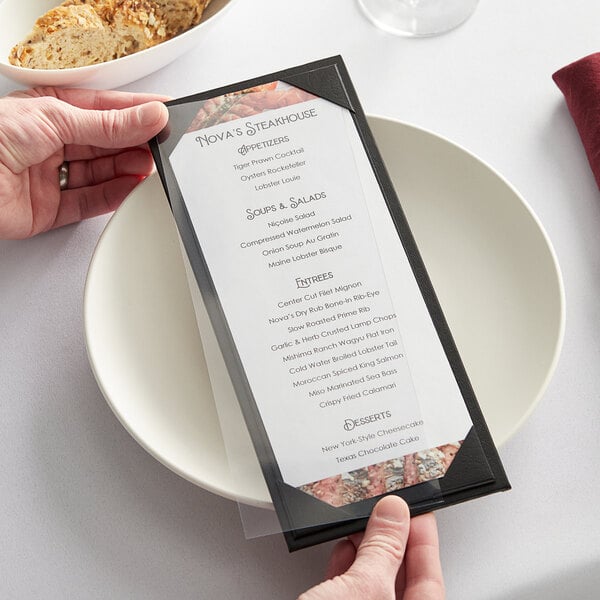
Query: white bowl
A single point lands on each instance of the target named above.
(16, 21)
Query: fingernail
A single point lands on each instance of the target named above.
(149, 114)
(391, 508)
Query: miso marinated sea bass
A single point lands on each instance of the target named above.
(85, 32)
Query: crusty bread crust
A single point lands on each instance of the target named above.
(86, 32)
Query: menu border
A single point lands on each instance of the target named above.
(476, 470)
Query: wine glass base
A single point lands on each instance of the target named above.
(418, 18)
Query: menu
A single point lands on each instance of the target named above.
(341, 359)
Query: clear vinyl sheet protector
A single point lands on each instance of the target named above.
(346, 374)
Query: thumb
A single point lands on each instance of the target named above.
(115, 128)
(381, 550)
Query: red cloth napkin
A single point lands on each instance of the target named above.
(580, 84)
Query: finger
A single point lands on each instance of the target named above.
(382, 548)
(87, 202)
(401, 579)
(91, 99)
(108, 128)
(106, 99)
(342, 557)
(82, 152)
(423, 577)
(83, 173)
(356, 538)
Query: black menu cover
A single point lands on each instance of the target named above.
(343, 364)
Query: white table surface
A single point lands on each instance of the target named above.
(86, 513)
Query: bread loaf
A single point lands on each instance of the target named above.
(180, 15)
(86, 32)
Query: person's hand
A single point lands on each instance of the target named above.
(395, 559)
(99, 133)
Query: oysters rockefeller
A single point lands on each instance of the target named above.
(85, 32)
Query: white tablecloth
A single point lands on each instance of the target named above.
(86, 513)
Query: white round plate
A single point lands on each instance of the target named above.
(490, 261)
(16, 21)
